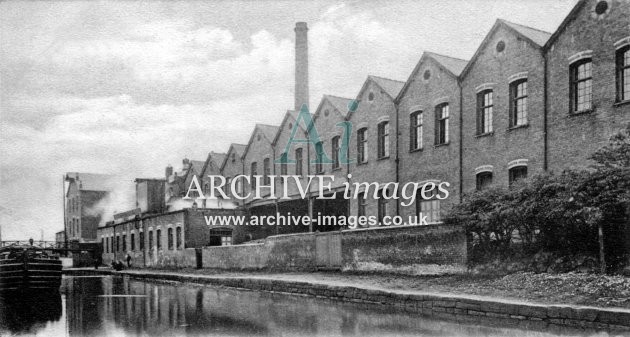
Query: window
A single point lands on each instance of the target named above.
(158, 238)
(581, 86)
(334, 147)
(319, 148)
(362, 146)
(283, 164)
(106, 245)
(429, 207)
(103, 242)
(484, 180)
(415, 130)
(362, 200)
(141, 237)
(178, 233)
(169, 233)
(220, 237)
(254, 172)
(117, 243)
(518, 103)
(382, 206)
(133, 241)
(298, 162)
(150, 240)
(112, 242)
(441, 124)
(623, 74)
(124, 242)
(484, 112)
(383, 140)
(517, 173)
(266, 171)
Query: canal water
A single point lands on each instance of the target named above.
(117, 306)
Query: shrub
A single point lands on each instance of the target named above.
(559, 214)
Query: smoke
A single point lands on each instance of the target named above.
(121, 197)
(179, 204)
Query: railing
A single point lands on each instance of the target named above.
(39, 244)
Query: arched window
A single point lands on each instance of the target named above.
(485, 105)
(415, 130)
(178, 232)
(170, 238)
(441, 124)
(362, 154)
(623, 74)
(581, 85)
(298, 162)
(334, 147)
(383, 140)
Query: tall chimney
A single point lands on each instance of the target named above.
(301, 65)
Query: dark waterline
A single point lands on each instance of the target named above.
(117, 306)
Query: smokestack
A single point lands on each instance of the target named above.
(301, 65)
(169, 171)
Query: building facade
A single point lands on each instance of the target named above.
(83, 194)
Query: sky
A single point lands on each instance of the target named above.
(128, 87)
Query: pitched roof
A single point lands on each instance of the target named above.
(534, 36)
(197, 166)
(237, 149)
(289, 113)
(452, 64)
(268, 130)
(341, 104)
(391, 87)
(538, 36)
(570, 17)
(218, 158)
(92, 181)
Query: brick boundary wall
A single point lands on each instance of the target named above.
(449, 307)
(397, 249)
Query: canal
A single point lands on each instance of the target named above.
(117, 306)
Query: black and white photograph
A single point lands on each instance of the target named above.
(315, 168)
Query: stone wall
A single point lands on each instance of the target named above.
(185, 258)
(402, 249)
(405, 249)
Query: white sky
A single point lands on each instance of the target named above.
(129, 87)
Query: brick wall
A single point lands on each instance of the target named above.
(493, 70)
(432, 162)
(406, 249)
(573, 137)
(369, 114)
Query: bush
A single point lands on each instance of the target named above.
(559, 214)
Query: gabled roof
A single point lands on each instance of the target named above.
(540, 37)
(92, 181)
(570, 17)
(238, 149)
(216, 158)
(340, 104)
(391, 87)
(535, 37)
(454, 65)
(268, 131)
(451, 65)
(290, 114)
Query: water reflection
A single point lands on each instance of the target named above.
(116, 306)
(27, 313)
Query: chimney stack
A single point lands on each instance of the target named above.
(301, 65)
(169, 171)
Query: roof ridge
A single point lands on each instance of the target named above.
(386, 78)
(444, 55)
(522, 25)
(334, 96)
